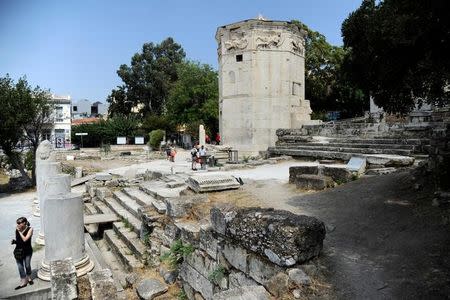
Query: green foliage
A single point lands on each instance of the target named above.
(29, 160)
(182, 295)
(246, 158)
(326, 85)
(156, 137)
(127, 223)
(355, 176)
(194, 98)
(217, 275)
(24, 111)
(148, 79)
(398, 52)
(177, 252)
(153, 122)
(106, 131)
(146, 239)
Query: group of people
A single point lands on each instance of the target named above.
(198, 155)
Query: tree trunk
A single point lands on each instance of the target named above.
(17, 163)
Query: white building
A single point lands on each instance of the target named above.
(84, 109)
(58, 132)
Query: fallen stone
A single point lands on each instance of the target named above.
(296, 171)
(243, 293)
(103, 176)
(206, 182)
(339, 174)
(63, 279)
(313, 182)
(102, 285)
(278, 285)
(281, 236)
(298, 277)
(150, 288)
(357, 164)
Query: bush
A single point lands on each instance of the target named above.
(156, 137)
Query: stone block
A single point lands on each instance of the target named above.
(181, 206)
(281, 236)
(103, 176)
(201, 262)
(243, 293)
(261, 270)
(357, 164)
(102, 193)
(197, 281)
(188, 290)
(170, 276)
(219, 216)
(63, 279)
(238, 279)
(313, 182)
(339, 174)
(209, 241)
(208, 182)
(189, 232)
(236, 256)
(295, 171)
(278, 285)
(150, 288)
(102, 285)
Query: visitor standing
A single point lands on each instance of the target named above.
(23, 251)
(202, 154)
(194, 156)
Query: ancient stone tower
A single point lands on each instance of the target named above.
(261, 82)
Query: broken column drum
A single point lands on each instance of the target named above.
(46, 170)
(64, 225)
(43, 153)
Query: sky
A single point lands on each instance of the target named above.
(75, 47)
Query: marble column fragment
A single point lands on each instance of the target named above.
(201, 135)
(64, 223)
(46, 170)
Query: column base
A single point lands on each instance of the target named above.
(83, 266)
(40, 239)
(36, 211)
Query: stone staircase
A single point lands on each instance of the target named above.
(388, 151)
(126, 238)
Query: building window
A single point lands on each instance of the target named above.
(75, 108)
(239, 57)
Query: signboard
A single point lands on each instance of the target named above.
(121, 140)
(81, 133)
(139, 140)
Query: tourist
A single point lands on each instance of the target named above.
(168, 151)
(194, 156)
(172, 154)
(218, 138)
(202, 154)
(23, 251)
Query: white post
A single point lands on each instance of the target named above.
(201, 135)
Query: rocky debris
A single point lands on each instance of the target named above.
(313, 182)
(243, 293)
(131, 279)
(297, 293)
(63, 279)
(381, 171)
(170, 276)
(298, 277)
(208, 182)
(102, 285)
(281, 236)
(150, 288)
(103, 176)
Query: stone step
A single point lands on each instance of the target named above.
(159, 189)
(145, 199)
(375, 159)
(131, 239)
(319, 147)
(124, 214)
(381, 140)
(128, 203)
(120, 249)
(101, 207)
(350, 145)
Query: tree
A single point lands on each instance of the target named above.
(148, 79)
(24, 111)
(194, 97)
(398, 52)
(326, 84)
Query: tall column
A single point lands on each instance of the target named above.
(43, 154)
(46, 170)
(64, 223)
(201, 135)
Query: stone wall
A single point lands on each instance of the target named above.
(439, 163)
(240, 247)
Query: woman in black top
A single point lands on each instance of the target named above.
(23, 251)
